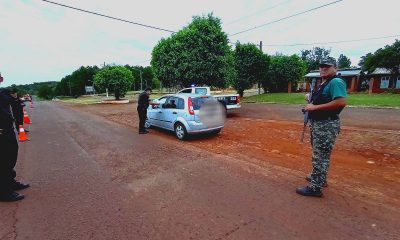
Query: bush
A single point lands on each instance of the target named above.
(46, 92)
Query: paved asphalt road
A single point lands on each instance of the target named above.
(94, 179)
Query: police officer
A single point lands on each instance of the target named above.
(143, 104)
(326, 104)
(9, 151)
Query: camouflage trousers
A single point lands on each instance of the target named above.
(323, 137)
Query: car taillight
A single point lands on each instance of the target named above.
(190, 106)
(238, 100)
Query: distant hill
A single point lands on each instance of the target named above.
(33, 87)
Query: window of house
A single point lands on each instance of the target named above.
(385, 82)
(398, 82)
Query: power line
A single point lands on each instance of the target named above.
(106, 16)
(333, 42)
(284, 18)
(258, 12)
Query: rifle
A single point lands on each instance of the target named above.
(306, 112)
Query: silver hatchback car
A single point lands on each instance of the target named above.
(181, 113)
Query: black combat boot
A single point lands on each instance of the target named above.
(19, 186)
(11, 197)
(309, 191)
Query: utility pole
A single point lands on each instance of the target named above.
(141, 80)
(70, 92)
(259, 84)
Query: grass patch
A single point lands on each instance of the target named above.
(354, 99)
(93, 99)
(87, 99)
(289, 98)
(383, 99)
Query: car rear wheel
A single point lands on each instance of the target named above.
(180, 131)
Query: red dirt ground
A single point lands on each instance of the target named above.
(364, 160)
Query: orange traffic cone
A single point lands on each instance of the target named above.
(22, 134)
(27, 120)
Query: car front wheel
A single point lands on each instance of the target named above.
(180, 131)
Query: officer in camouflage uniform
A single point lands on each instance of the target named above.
(326, 104)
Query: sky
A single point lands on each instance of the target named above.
(40, 41)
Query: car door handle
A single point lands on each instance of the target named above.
(174, 113)
(159, 112)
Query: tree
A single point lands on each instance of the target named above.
(74, 84)
(197, 54)
(283, 69)
(116, 79)
(313, 57)
(32, 88)
(363, 61)
(250, 66)
(387, 57)
(144, 79)
(18, 89)
(343, 62)
(46, 92)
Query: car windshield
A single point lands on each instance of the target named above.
(198, 102)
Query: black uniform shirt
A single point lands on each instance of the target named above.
(6, 117)
(143, 101)
(18, 109)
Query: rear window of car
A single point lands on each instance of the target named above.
(181, 104)
(201, 91)
(198, 102)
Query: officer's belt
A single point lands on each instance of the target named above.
(321, 118)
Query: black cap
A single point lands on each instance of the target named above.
(148, 89)
(327, 62)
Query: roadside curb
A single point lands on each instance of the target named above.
(374, 107)
(350, 106)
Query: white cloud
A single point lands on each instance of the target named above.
(43, 42)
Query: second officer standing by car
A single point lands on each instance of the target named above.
(143, 104)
